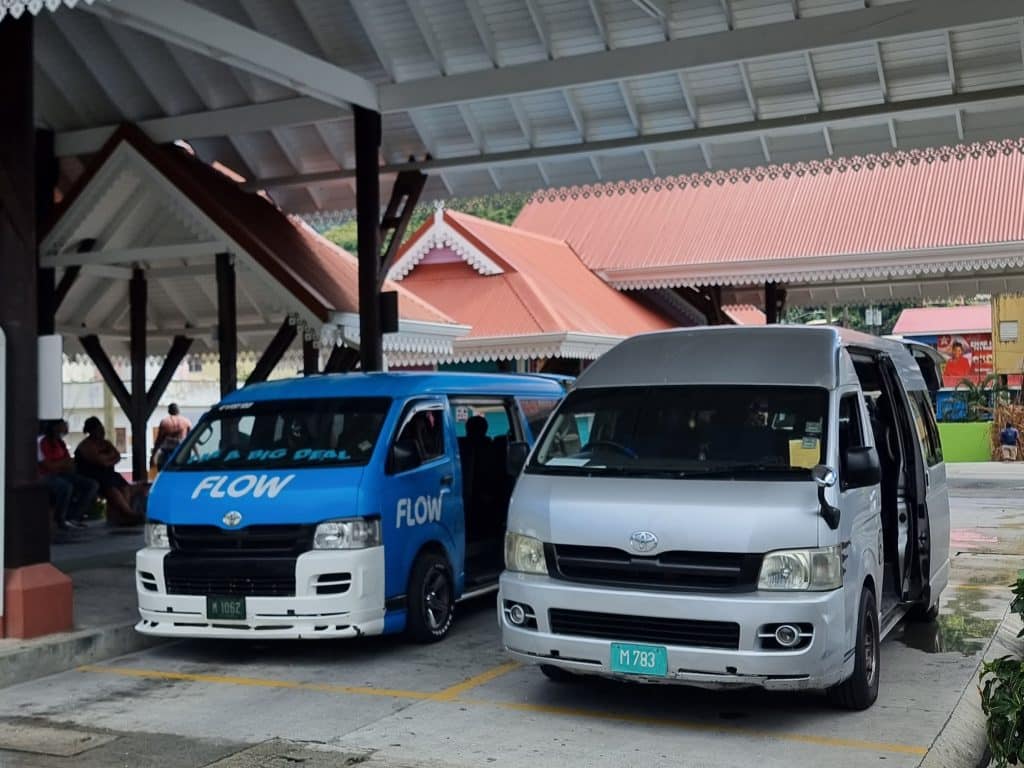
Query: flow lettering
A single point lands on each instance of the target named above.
(257, 486)
(423, 510)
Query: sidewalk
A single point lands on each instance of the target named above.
(101, 563)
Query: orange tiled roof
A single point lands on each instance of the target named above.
(542, 287)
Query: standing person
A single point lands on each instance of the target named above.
(1008, 440)
(172, 430)
(95, 458)
(71, 494)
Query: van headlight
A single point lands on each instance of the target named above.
(524, 554)
(356, 533)
(156, 537)
(815, 570)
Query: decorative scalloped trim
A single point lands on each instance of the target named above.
(829, 275)
(443, 235)
(18, 7)
(786, 170)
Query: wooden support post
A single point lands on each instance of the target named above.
(46, 179)
(93, 348)
(137, 352)
(18, 263)
(273, 353)
(179, 348)
(367, 140)
(64, 286)
(771, 303)
(227, 324)
(310, 357)
(341, 360)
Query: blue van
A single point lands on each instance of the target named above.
(338, 506)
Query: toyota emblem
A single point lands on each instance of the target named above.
(232, 519)
(643, 541)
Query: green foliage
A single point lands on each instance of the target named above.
(1002, 698)
(849, 316)
(502, 209)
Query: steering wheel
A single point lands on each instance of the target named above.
(617, 447)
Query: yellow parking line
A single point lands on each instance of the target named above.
(448, 694)
(255, 682)
(825, 741)
(452, 694)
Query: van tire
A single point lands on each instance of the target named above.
(860, 690)
(557, 674)
(431, 607)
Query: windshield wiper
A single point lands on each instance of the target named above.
(729, 470)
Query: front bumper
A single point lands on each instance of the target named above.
(358, 611)
(825, 661)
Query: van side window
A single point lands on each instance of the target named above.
(851, 432)
(537, 412)
(423, 436)
(927, 429)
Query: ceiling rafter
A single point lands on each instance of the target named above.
(691, 105)
(630, 102)
(419, 16)
(813, 79)
(600, 22)
(476, 13)
(765, 150)
(197, 29)
(950, 63)
(541, 25)
(959, 117)
(705, 151)
(882, 83)
(576, 113)
(751, 99)
(730, 22)
(827, 135)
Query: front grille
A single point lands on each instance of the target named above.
(253, 540)
(675, 570)
(254, 586)
(645, 629)
(257, 577)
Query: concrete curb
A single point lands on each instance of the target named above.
(962, 742)
(59, 653)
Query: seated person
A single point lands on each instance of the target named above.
(71, 494)
(95, 458)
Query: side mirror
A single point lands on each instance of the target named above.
(404, 456)
(515, 459)
(861, 468)
(825, 477)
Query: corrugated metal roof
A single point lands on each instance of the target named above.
(890, 205)
(973, 318)
(92, 71)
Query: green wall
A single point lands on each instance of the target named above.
(966, 441)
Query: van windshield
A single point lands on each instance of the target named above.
(686, 431)
(285, 433)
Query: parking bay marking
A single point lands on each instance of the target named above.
(452, 694)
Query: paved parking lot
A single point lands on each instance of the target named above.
(461, 703)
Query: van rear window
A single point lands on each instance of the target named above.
(687, 431)
(285, 433)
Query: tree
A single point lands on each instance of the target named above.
(501, 208)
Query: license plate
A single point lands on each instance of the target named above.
(229, 608)
(650, 660)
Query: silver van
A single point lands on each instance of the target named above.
(731, 507)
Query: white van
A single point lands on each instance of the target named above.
(731, 507)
